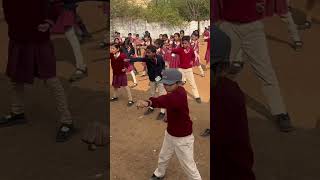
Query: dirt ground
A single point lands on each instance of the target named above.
(30, 151)
(292, 156)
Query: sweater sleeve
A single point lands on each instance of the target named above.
(163, 101)
(177, 50)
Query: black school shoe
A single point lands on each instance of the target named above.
(284, 122)
(130, 103)
(154, 177)
(205, 133)
(149, 111)
(198, 100)
(161, 116)
(12, 119)
(65, 132)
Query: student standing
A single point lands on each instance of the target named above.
(31, 55)
(187, 58)
(178, 138)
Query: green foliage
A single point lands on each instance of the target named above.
(172, 12)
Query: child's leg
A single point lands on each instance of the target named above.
(292, 27)
(115, 92)
(309, 7)
(184, 152)
(133, 77)
(190, 79)
(165, 155)
(75, 44)
(128, 92)
(57, 90)
(17, 104)
(201, 70)
(183, 74)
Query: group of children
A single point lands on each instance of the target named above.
(169, 64)
(31, 54)
(177, 52)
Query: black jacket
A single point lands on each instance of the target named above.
(154, 69)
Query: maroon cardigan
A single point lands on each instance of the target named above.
(24, 16)
(232, 155)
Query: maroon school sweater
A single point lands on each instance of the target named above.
(232, 152)
(118, 64)
(237, 11)
(186, 58)
(176, 103)
(24, 16)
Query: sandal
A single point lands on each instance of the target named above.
(130, 103)
(79, 74)
(114, 99)
(65, 132)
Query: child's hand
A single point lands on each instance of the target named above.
(142, 104)
(260, 7)
(124, 70)
(44, 27)
(126, 60)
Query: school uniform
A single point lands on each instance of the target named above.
(243, 24)
(196, 49)
(31, 52)
(207, 39)
(178, 137)
(187, 58)
(119, 78)
(175, 60)
(167, 57)
(232, 155)
(154, 69)
(67, 16)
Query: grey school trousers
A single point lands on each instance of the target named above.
(250, 40)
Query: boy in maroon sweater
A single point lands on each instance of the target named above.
(242, 22)
(187, 58)
(178, 137)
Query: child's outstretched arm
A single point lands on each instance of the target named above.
(138, 59)
(177, 51)
(163, 101)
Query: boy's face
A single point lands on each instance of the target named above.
(113, 50)
(116, 41)
(185, 44)
(193, 37)
(170, 88)
(157, 45)
(176, 37)
(150, 54)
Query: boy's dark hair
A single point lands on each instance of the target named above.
(195, 34)
(116, 46)
(186, 38)
(182, 31)
(152, 48)
(129, 34)
(160, 42)
(178, 34)
(165, 35)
